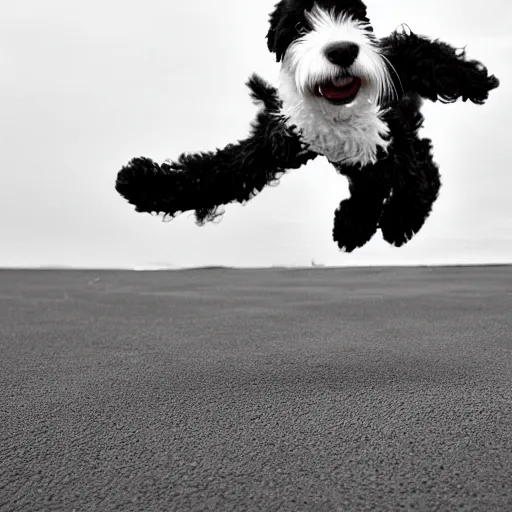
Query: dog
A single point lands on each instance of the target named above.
(343, 94)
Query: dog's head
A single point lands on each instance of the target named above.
(328, 52)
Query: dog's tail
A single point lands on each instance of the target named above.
(263, 92)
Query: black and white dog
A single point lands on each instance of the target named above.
(343, 94)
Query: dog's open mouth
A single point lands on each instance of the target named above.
(340, 91)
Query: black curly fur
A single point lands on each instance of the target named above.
(435, 70)
(396, 194)
(205, 181)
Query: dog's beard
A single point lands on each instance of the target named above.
(337, 110)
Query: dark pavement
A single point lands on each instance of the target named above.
(321, 389)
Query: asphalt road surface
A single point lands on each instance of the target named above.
(320, 389)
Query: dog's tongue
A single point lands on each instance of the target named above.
(340, 89)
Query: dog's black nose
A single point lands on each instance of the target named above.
(342, 54)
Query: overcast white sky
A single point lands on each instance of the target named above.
(85, 86)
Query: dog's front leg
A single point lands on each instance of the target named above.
(435, 70)
(203, 182)
(415, 189)
(357, 218)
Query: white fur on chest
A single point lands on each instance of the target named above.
(349, 135)
(351, 140)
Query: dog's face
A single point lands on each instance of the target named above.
(329, 54)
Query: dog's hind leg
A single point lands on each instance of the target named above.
(203, 182)
(435, 70)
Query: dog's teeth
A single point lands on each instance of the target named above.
(342, 82)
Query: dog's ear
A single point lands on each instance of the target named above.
(272, 34)
(285, 21)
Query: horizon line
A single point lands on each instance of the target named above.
(154, 268)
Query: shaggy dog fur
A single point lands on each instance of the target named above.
(343, 94)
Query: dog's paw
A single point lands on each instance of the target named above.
(478, 83)
(400, 221)
(354, 226)
(150, 187)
